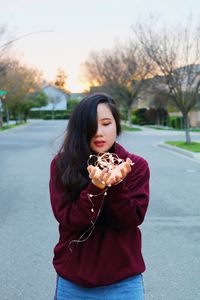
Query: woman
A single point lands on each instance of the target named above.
(99, 195)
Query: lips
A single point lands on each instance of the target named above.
(99, 143)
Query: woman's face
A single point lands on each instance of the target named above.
(106, 133)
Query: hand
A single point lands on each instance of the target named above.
(98, 177)
(105, 177)
(119, 172)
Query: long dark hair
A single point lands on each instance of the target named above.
(75, 150)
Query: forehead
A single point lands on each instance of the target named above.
(103, 111)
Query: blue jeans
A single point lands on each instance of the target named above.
(128, 289)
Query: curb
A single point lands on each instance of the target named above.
(181, 151)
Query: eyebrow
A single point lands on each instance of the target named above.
(106, 119)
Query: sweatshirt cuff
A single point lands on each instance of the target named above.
(94, 190)
(115, 189)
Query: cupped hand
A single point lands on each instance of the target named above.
(105, 177)
(119, 172)
(98, 177)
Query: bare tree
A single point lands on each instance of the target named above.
(119, 71)
(3, 50)
(176, 55)
(154, 95)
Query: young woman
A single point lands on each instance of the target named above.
(99, 195)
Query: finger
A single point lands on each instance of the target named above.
(117, 178)
(129, 161)
(89, 168)
(128, 168)
(109, 178)
(102, 174)
(123, 173)
(106, 176)
(92, 171)
(92, 174)
(110, 181)
(104, 171)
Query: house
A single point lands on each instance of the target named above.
(194, 118)
(186, 79)
(57, 99)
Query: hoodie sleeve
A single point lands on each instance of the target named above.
(78, 215)
(128, 201)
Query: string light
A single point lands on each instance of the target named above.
(102, 161)
(89, 231)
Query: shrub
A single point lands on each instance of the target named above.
(71, 104)
(134, 119)
(47, 115)
(150, 116)
(175, 122)
(61, 116)
(139, 116)
(123, 113)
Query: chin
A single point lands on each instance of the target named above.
(100, 150)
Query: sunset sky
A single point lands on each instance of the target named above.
(71, 29)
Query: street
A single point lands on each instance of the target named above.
(28, 230)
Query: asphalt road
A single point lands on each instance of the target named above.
(28, 231)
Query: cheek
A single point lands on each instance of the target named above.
(113, 132)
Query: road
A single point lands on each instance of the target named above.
(28, 231)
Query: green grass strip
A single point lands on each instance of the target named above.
(193, 146)
(6, 127)
(127, 128)
(174, 129)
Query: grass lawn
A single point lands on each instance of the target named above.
(195, 130)
(175, 129)
(127, 128)
(170, 128)
(194, 146)
(6, 127)
(162, 128)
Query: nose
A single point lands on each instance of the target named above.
(99, 131)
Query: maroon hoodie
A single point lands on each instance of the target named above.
(109, 224)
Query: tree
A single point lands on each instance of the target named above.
(119, 71)
(60, 81)
(2, 52)
(22, 85)
(3, 45)
(176, 56)
(156, 97)
(35, 98)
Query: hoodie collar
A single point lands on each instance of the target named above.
(121, 151)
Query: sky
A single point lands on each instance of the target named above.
(66, 31)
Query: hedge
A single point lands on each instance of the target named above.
(48, 115)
